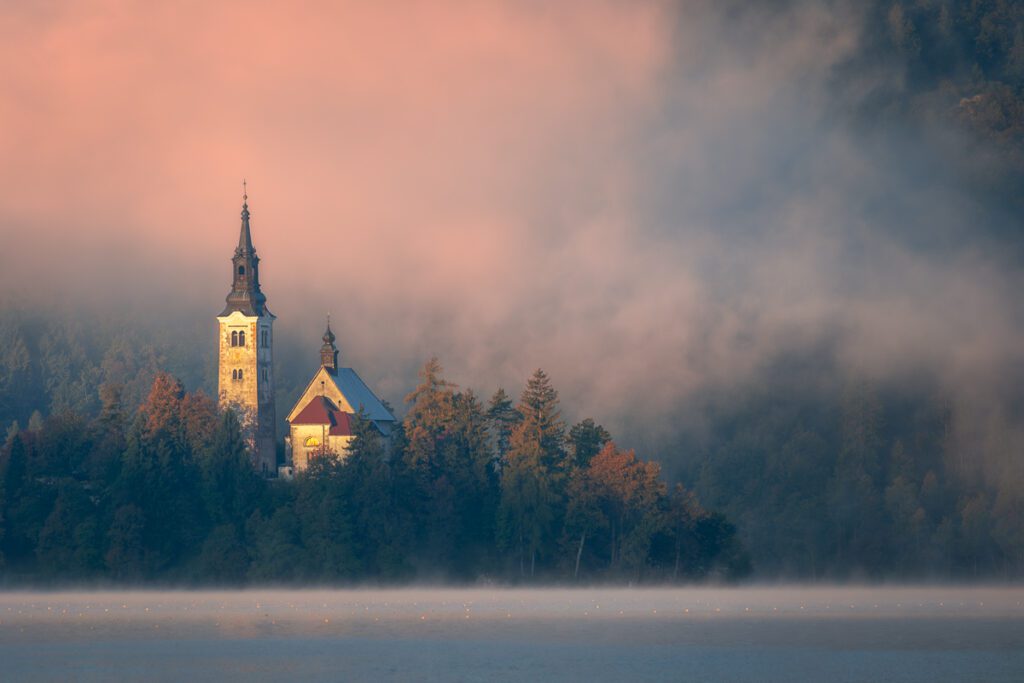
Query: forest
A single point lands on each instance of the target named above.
(110, 470)
(466, 492)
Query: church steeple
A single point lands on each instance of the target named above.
(245, 295)
(245, 236)
(245, 374)
(329, 352)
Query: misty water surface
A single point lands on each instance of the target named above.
(747, 634)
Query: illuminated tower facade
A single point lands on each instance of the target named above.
(246, 360)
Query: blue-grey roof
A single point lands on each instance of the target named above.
(358, 394)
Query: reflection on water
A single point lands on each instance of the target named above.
(836, 634)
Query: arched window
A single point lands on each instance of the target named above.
(239, 374)
(312, 442)
(241, 338)
(234, 375)
(234, 338)
(241, 270)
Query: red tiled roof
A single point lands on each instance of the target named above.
(321, 411)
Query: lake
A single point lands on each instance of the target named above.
(598, 634)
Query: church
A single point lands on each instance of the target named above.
(322, 417)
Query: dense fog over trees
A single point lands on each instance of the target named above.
(821, 479)
(468, 492)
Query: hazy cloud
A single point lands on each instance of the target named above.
(644, 199)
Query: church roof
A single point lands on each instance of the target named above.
(245, 295)
(359, 395)
(321, 411)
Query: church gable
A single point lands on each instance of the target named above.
(322, 384)
(322, 412)
(348, 392)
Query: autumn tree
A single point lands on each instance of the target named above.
(427, 429)
(630, 493)
(534, 475)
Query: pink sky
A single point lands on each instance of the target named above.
(507, 185)
(417, 160)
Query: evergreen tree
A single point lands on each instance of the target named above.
(428, 455)
(231, 488)
(67, 542)
(108, 435)
(224, 559)
(431, 408)
(534, 476)
(125, 558)
(382, 525)
(501, 419)
(470, 468)
(325, 519)
(584, 517)
(684, 512)
(276, 545)
(586, 439)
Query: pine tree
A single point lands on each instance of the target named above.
(540, 410)
(231, 489)
(583, 517)
(108, 434)
(125, 558)
(533, 479)
(428, 456)
(382, 529)
(586, 439)
(684, 512)
(276, 545)
(470, 469)
(325, 518)
(501, 419)
(224, 559)
(430, 414)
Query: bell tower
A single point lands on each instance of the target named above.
(329, 352)
(246, 360)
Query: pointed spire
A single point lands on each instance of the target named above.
(329, 352)
(245, 236)
(328, 335)
(245, 294)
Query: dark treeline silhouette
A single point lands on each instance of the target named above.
(465, 492)
(864, 481)
(825, 477)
